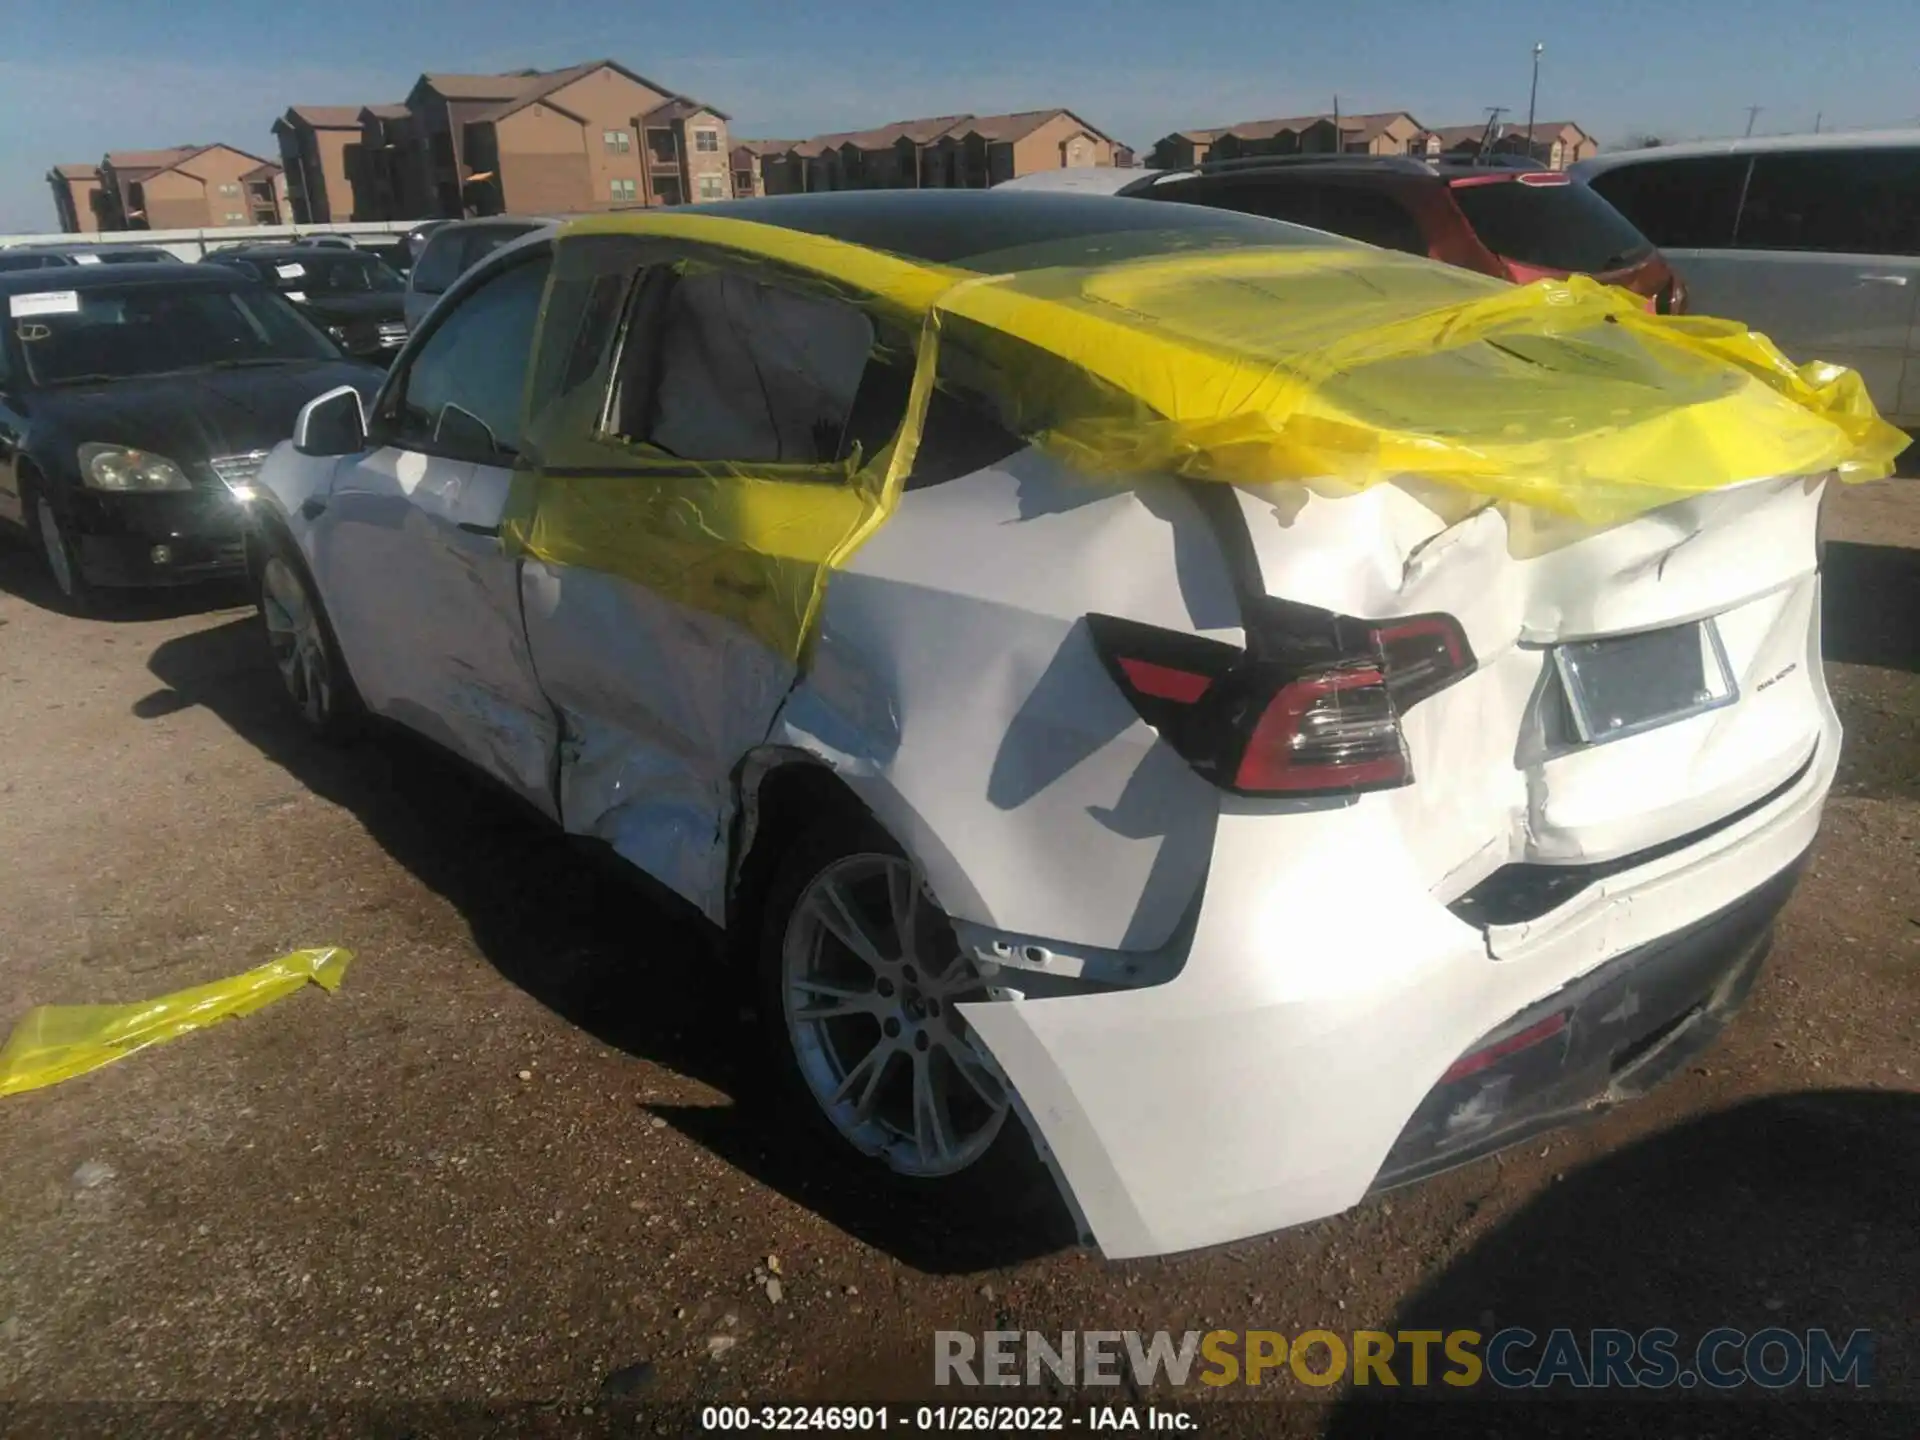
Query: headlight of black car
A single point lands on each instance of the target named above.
(126, 471)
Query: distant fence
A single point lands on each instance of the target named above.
(193, 244)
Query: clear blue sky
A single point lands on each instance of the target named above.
(85, 76)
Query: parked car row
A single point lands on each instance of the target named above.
(1813, 239)
(1512, 219)
(55, 257)
(1220, 852)
(139, 394)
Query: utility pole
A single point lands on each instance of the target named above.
(1339, 144)
(1532, 95)
(1816, 120)
(1752, 112)
(1494, 112)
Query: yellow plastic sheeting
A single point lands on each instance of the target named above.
(1361, 366)
(1338, 367)
(56, 1042)
(752, 542)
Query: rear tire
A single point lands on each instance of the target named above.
(858, 977)
(305, 654)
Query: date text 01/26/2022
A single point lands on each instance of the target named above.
(977, 1419)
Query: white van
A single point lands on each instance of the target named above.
(1814, 240)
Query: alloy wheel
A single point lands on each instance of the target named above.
(871, 976)
(297, 640)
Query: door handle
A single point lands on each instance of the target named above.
(493, 531)
(1883, 279)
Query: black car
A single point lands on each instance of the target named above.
(356, 298)
(45, 257)
(136, 404)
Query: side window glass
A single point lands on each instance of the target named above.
(461, 396)
(1295, 204)
(742, 370)
(1371, 217)
(583, 314)
(1859, 202)
(1678, 204)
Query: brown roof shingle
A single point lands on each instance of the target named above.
(482, 87)
(1008, 128)
(327, 117)
(680, 107)
(129, 161)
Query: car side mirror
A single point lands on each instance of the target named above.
(332, 424)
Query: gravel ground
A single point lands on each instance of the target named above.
(517, 1150)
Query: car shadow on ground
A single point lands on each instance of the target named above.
(1793, 1211)
(1870, 605)
(24, 574)
(561, 923)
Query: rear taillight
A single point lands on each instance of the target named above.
(1333, 731)
(1312, 706)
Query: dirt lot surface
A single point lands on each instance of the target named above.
(515, 1152)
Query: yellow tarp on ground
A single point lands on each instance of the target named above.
(1333, 366)
(56, 1042)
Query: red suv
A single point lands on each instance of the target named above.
(1511, 219)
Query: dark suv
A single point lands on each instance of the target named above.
(355, 297)
(1508, 218)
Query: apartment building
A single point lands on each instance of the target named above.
(749, 161)
(1394, 132)
(594, 136)
(187, 187)
(323, 153)
(939, 152)
(1390, 132)
(74, 190)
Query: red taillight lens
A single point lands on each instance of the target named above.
(1489, 1055)
(1335, 731)
(1313, 705)
(1164, 682)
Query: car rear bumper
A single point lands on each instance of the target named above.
(1296, 1061)
(1609, 1036)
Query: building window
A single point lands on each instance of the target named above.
(743, 182)
(234, 217)
(707, 142)
(229, 189)
(618, 142)
(621, 189)
(711, 187)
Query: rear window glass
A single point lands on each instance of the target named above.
(1011, 231)
(1352, 211)
(1559, 227)
(1685, 204)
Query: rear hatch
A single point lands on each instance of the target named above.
(1542, 226)
(1629, 687)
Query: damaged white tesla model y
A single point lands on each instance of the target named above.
(1236, 717)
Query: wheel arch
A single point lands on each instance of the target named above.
(780, 790)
